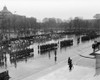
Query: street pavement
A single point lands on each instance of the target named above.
(61, 72)
(84, 68)
(78, 73)
(45, 69)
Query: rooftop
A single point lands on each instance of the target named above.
(5, 11)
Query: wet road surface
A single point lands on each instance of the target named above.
(39, 62)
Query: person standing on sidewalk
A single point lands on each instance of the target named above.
(70, 63)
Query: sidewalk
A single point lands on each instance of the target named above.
(63, 73)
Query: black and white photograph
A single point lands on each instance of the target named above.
(49, 39)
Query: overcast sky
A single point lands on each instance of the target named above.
(63, 9)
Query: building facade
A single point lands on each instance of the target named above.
(97, 16)
(5, 11)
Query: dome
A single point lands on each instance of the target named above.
(5, 11)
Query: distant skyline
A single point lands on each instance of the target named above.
(63, 9)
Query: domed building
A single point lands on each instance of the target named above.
(4, 15)
(5, 11)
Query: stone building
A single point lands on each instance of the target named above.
(5, 11)
(5, 14)
(97, 16)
